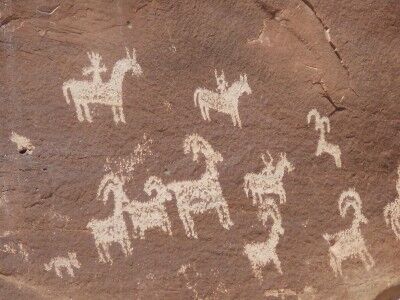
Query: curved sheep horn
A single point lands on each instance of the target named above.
(133, 53)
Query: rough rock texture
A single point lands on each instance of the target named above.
(339, 57)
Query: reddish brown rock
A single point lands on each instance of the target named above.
(341, 58)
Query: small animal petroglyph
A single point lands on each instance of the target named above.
(112, 229)
(23, 143)
(262, 253)
(269, 180)
(225, 100)
(85, 92)
(322, 125)
(391, 211)
(151, 213)
(205, 194)
(67, 263)
(349, 243)
(13, 248)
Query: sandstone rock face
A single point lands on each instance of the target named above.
(199, 149)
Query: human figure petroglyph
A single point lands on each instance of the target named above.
(349, 243)
(84, 92)
(322, 125)
(198, 196)
(112, 229)
(222, 84)
(151, 213)
(391, 211)
(67, 263)
(269, 180)
(262, 253)
(226, 100)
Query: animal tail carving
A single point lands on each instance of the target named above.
(65, 89)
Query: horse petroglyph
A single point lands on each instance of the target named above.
(85, 92)
(391, 211)
(269, 180)
(224, 100)
(322, 125)
(23, 143)
(262, 253)
(349, 243)
(112, 229)
(204, 194)
(67, 263)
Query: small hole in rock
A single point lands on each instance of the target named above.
(22, 150)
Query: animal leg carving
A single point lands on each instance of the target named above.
(87, 113)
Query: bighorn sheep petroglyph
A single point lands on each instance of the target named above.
(151, 213)
(349, 243)
(204, 194)
(112, 229)
(322, 125)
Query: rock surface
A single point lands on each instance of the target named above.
(339, 57)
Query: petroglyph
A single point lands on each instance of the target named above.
(269, 180)
(23, 143)
(85, 92)
(391, 211)
(225, 100)
(349, 243)
(204, 194)
(151, 213)
(15, 248)
(262, 253)
(124, 166)
(322, 125)
(112, 229)
(66, 263)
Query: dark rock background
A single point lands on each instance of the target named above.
(291, 68)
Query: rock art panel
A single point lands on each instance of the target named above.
(198, 196)
(269, 180)
(224, 100)
(349, 243)
(391, 211)
(95, 91)
(322, 124)
(61, 263)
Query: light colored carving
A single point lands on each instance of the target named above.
(322, 125)
(262, 253)
(226, 100)
(391, 211)
(85, 92)
(23, 143)
(198, 196)
(349, 243)
(67, 263)
(152, 213)
(112, 229)
(269, 180)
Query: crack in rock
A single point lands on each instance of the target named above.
(327, 36)
(327, 96)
